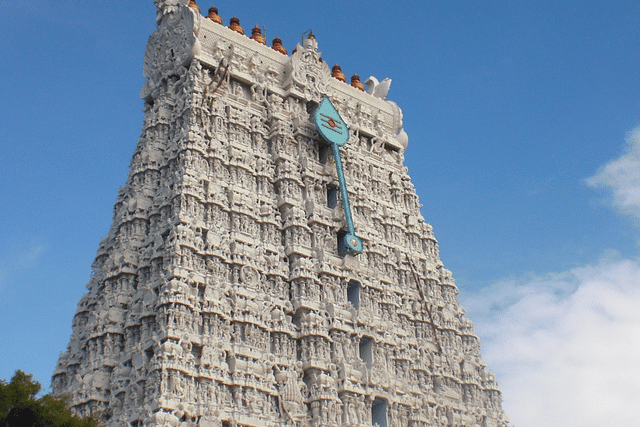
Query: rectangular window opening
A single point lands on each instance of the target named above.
(323, 153)
(379, 412)
(342, 248)
(353, 293)
(332, 196)
(366, 347)
(390, 148)
(311, 107)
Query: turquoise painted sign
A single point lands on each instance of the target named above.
(329, 123)
(333, 129)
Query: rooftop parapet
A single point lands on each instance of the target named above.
(184, 34)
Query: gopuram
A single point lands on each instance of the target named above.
(268, 264)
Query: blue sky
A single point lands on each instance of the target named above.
(521, 123)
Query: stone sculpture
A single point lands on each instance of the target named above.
(220, 296)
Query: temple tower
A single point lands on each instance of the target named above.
(268, 264)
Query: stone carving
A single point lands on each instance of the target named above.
(167, 7)
(220, 296)
(291, 388)
(378, 89)
(307, 73)
(171, 47)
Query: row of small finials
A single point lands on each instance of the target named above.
(276, 44)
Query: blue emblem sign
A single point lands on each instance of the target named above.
(333, 129)
(329, 123)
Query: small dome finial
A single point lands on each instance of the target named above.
(355, 82)
(276, 45)
(213, 15)
(234, 24)
(256, 35)
(336, 73)
(192, 4)
(310, 42)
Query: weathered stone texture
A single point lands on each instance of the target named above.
(220, 296)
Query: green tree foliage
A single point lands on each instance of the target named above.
(19, 406)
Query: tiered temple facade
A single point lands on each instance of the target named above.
(224, 295)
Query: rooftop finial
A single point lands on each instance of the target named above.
(234, 24)
(310, 42)
(336, 72)
(192, 4)
(276, 45)
(256, 35)
(213, 15)
(355, 82)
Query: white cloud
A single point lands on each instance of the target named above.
(622, 177)
(565, 347)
